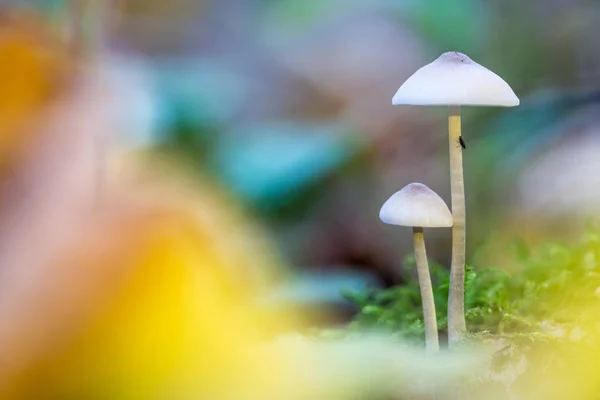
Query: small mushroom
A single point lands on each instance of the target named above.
(420, 207)
(454, 80)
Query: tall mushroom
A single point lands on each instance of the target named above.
(454, 80)
(420, 207)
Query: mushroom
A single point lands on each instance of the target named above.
(454, 80)
(420, 207)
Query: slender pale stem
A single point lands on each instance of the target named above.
(73, 25)
(88, 26)
(429, 319)
(456, 306)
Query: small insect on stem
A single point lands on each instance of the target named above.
(462, 142)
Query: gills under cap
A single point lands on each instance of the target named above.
(418, 206)
(455, 79)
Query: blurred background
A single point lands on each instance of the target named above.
(287, 105)
(280, 112)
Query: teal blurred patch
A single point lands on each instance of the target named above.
(518, 134)
(203, 93)
(268, 164)
(318, 290)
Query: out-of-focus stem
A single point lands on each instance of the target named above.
(429, 318)
(456, 307)
(87, 31)
(87, 26)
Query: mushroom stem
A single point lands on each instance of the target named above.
(429, 318)
(88, 23)
(456, 307)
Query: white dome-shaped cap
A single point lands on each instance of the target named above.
(418, 206)
(455, 79)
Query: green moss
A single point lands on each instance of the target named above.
(546, 299)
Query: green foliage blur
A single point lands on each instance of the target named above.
(543, 298)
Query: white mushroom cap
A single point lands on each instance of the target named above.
(418, 206)
(455, 79)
